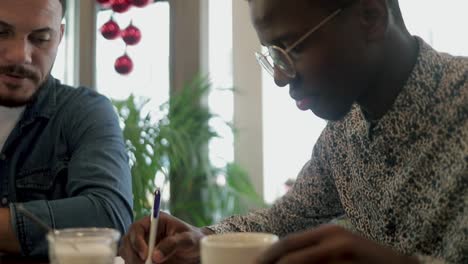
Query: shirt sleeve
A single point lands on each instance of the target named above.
(99, 182)
(424, 259)
(313, 200)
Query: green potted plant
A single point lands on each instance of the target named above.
(175, 147)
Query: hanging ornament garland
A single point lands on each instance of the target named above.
(130, 35)
(123, 64)
(120, 6)
(110, 30)
(140, 3)
(104, 3)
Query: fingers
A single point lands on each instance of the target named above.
(133, 248)
(343, 248)
(330, 251)
(127, 252)
(296, 242)
(174, 236)
(170, 224)
(137, 234)
(186, 241)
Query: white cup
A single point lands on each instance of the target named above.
(234, 248)
(83, 245)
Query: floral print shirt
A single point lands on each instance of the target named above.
(401, 181)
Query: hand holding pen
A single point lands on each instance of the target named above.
(177, 241)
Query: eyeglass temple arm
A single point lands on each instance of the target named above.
(306, 35)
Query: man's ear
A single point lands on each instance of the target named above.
(374, 18)
(62, 31)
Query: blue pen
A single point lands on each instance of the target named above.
(154, 224)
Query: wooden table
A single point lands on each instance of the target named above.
(22, 260)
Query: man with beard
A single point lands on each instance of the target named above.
(394, 155)
(62, 155)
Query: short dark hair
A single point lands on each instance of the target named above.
(64, 6)
(393, 5)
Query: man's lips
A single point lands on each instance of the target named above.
(304, 100)
(17, 73)
(304, 103)
(12, 78)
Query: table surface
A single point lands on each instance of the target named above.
(23, 260)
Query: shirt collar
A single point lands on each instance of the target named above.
(424, 77)
(427, 72)
(44, 105)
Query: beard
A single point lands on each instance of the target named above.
(23, 72)
(18, 102)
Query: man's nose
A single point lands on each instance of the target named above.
(18, 51)
(281, 79)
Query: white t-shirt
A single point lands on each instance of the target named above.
(8, 119)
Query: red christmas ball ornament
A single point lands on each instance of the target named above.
(104, 3)
(123, 65)
(110, 30)
(131, 35)
(120, 6)
(140, 3)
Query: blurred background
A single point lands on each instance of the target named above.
(255, 141)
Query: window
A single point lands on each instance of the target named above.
(150, 76)
(58, 71)
(221, 101)
(64, 66)
(442, 24)
(288, 138)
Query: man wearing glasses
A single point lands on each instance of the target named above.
(393, 158)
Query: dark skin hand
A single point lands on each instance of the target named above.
(177, 241)
(330, 244)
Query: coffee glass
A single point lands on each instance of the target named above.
(83, 245)
(234, 248)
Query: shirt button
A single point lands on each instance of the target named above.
(4, 201)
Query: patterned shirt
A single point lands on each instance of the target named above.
(401, 181)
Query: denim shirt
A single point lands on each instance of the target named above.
(66, 162)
